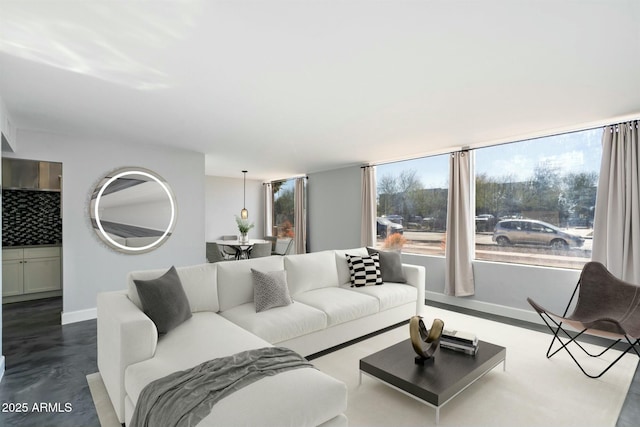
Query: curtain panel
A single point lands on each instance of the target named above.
(300, 214)
(459, 250)
(616, 229)
(267, 190)
(369, 207)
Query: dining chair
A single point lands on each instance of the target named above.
(214, 254)
(229, 252)
(259, 250)
(284, 246)
(273, 240)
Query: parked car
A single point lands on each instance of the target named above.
(385, 225)
(533, 232)
(397, 219)
(485, 222)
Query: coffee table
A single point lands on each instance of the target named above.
(436, 382)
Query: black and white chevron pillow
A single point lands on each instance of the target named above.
(365, 270)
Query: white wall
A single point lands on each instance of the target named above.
(5, 128)
(223, 203)
(334, 205)
(88, 265)
(502, 288)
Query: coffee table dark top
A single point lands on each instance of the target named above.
(436, 381)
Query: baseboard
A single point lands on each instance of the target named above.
(485, 307)
(1, 367)
(79, 316)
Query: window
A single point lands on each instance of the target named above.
(283, 208)
(537, 197)
(412, 205)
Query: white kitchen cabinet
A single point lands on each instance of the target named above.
(30, 270)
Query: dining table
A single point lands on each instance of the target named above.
(242, 248)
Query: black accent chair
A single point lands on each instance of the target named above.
(606, 306)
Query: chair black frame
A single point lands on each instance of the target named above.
(625, 328)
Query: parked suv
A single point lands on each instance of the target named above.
(533, 232)
(384, 224)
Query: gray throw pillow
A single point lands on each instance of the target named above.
(164, 300)
(270, 289)
(390, 266)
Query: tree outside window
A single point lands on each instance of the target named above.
(412, 202)
(283, 208)
(552, 183)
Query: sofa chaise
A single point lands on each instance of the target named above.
(325, 311)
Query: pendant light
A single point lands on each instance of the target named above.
(244, 213)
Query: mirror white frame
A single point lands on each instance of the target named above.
(139, 196)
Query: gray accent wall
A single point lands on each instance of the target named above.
(88, 265)
(334, 209)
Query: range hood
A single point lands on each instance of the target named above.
(20, 174)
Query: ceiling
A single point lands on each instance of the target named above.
(283, 88)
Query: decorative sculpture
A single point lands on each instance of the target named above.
(420, 335)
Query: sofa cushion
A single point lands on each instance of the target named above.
(164, 300)
(365, 270)
(270, 289)
(389, 295)
(235, 282)
(311, 271)
(204, 337)
(339, 304)
(307, 396)
(278, 324)
(390, 266)
(299, 398)
(344, 276)
(198, 281)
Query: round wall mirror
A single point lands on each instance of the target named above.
(133, 210)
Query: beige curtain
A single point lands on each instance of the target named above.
(459, 249)
(369, 207)
(300, 214)
(267, 190)
(616, 229)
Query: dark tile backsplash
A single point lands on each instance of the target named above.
(31, 218)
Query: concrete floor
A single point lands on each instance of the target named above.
(47, 365)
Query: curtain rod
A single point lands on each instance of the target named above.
(527, 137)
(287, 179)
(631, 124)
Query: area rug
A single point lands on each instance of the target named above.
(532, 391)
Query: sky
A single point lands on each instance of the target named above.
(570, 152)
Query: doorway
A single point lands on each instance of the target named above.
(32, 234)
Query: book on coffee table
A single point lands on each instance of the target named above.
(461, 341)
(471, 350)
(459, 336)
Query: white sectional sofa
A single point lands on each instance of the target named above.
(326, 311)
